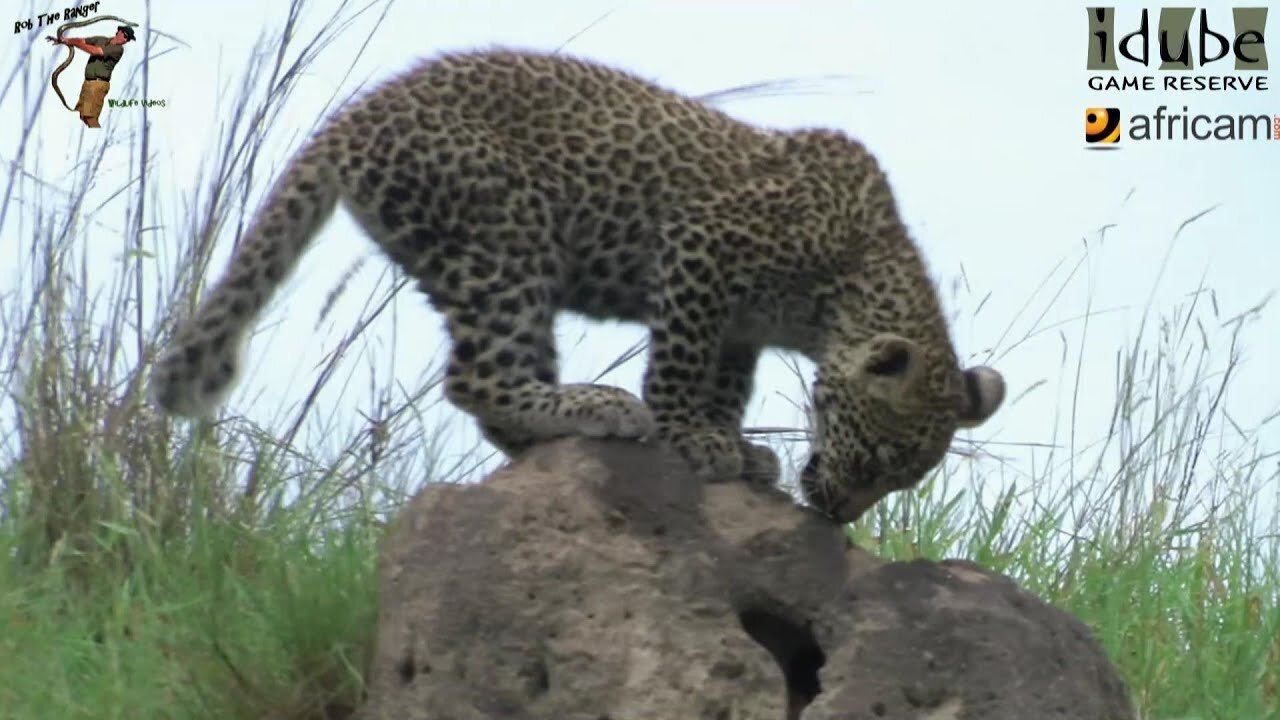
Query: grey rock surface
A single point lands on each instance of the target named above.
(597, 580)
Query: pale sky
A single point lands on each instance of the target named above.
(975, 111)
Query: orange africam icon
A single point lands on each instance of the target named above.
(1101, 125)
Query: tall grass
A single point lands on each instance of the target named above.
(149, 569)
(226, 570)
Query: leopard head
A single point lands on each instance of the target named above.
(885, 413)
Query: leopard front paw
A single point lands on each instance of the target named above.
(714, 455)
(760, 464)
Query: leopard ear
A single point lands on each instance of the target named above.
(887, 367)
(889, 356)
(984, 392)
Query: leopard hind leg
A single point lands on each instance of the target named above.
(502, 370)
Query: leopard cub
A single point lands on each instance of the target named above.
(513, 185)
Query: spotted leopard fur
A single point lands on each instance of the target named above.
(513, 185)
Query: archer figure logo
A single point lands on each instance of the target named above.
(104, 53)
(1102, 127)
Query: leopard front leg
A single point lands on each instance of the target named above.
(686, 333)
(676, 387)
(735, 378)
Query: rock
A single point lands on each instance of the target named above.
(596, 580)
